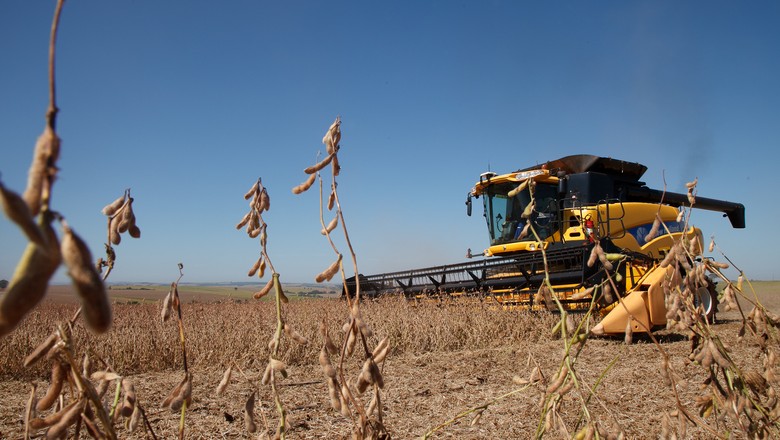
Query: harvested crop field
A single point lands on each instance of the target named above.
(445, 360)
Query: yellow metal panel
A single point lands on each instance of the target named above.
(634, 305)
(518, 246)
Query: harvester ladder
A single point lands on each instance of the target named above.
(604, 223)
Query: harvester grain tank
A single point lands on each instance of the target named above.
(543, 223)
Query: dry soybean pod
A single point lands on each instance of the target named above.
(330, 346)
(58, 374)
(364, 380)
(670, 256)
(252, 190)
(255, 267)
(127, 218)
(604, 260)
(381, 350)
(134, 231)
(331, 200)
(125, 223)
(86, 280)
(335, 165)
(104, 375)
(345, 411)
(51, 419)
(102, 388)
(174, 393)
(294, 335)
(524, 232)
(16, 210)
(328, 273)
(379, 347)
(47, 150)
(654, 229)
(363, 327)
(629, 333)
(135, 419)
(265, 201)
(113, 231)
(253, 232)
(185, 394)
(305, 185)
(267, 375)
(333, 393)
(89, 422)
(68, 418)
(327, 368)
(128, 404)
(40, 350)
(281, 294)
(314, 168)
(718, 356)
(86, 365)
(373, 404)
(376, 375)
(691, 188)
(279, 366)
(249, 414)
(114, 206)
(351, 340)
(594, 255)
(31, 278)
(244, 220)
(718, 264)
(225, 380)
(332, 136)
(127, 213)
(29, 410)
(518, 189)
(165, 313)
(583, 294)
(261, 269)
(331, 226)
(559, 380)
(264, 291)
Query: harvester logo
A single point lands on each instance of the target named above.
(641, 231)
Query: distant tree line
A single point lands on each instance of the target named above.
(313, 293)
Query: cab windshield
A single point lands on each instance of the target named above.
(504, 214)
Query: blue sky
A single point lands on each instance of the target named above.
(189, 102)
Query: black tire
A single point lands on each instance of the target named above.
(707, 296)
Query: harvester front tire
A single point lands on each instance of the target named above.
(707, 297)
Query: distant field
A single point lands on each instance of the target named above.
(768, 293)
(142, 293)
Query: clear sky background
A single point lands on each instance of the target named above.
(189, 102)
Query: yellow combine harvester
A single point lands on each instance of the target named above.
(544, 222)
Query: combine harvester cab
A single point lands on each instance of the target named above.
(543, 223)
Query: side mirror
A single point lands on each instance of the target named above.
(468, 205)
